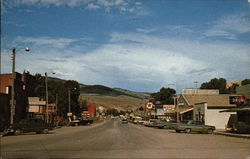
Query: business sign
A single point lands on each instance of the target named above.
(168, 107)
(149, 105)
(237, 99)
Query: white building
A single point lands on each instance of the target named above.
(211, 115)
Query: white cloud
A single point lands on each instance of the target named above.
(92, 6)
(138, 3)
(109, 3)
(229, 27)
(137, 62)
(126, 6)
(142, 30)
(45, 41)
(179, 28)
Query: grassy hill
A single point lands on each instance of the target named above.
(118, 98)
(107, 97)
(106, 91)
(133, 94)
(121, 102)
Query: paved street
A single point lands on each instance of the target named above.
(111, 139)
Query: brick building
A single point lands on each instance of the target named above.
(4, 110)
(23, 88)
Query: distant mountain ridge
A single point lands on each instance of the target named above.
(107, 91)
(118, 98)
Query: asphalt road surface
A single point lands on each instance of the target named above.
(112, 139)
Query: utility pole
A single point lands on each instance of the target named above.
(47, 97)
(56, 102)
(69, 100)
(196, 84)
(13, 101)
(176, 102)
(12, 105)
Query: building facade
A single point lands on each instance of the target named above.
(20, 97)
(211, 116)
(186, 102)
(37, 109)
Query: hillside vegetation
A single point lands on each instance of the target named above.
(121, 102)
(113, 98)
(107, 97)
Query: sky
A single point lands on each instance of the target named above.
(139, 45)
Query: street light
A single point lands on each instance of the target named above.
(69, 113)
(12, 104)
(47, 96)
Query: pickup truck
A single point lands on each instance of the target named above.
(193, 126)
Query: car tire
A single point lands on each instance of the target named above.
(187, 130)
(45, 131)
(210, 131)
(234, 128)
(178, 131)
(18, 132)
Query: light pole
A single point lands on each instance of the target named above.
(176, 102)
(47, 96)
(69, 113)
(196, 84)
(13, 102)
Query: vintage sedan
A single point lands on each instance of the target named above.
(150, 122)
(30, 125)
(165, 124)
(193, 126)
(124, 121)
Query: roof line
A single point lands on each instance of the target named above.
(186, 99)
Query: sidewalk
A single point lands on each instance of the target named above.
(226, 133)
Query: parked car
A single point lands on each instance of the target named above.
(193, 126)
(150, 123)
(124, 121)
(162, 124)
(30, 125)
(137, 120)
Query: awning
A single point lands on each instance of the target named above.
(236, 110)
(180, 111)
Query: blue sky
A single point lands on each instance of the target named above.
(140, 45)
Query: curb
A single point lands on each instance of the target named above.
(233, 135)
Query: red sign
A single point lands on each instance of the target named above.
(168, 107)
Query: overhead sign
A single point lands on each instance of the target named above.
(149, 105)
(168, 107)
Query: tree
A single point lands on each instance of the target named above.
(112, 111)
(232, 89)
(59, 91)
(74, 88)
(245, 82)
(122, 112)
(216, 83)
(164, 96)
